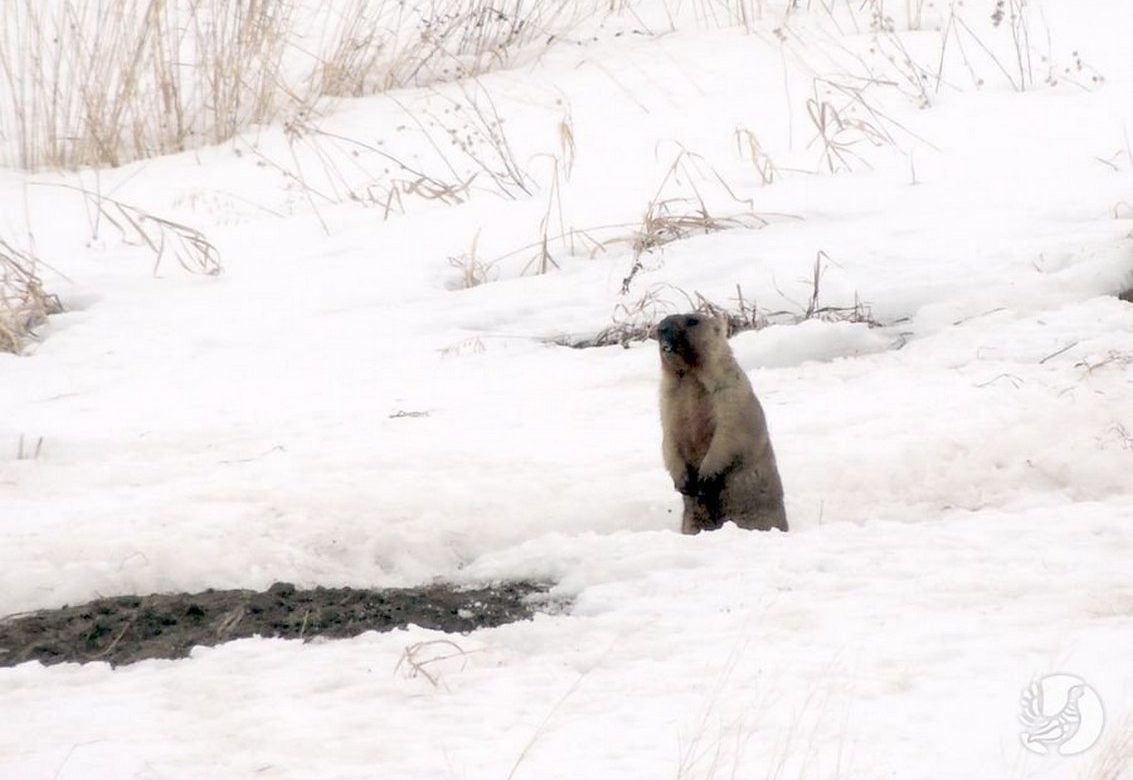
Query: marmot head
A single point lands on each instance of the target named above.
(689, 341)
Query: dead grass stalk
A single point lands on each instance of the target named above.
(24, 305)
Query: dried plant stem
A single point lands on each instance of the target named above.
(164, 237)
(24, 305)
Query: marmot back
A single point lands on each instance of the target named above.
(715, 440)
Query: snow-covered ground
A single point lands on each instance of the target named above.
(958, 480)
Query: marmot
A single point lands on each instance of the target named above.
(715, 438)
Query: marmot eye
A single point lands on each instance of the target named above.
(691, 321)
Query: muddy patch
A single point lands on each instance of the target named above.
(125, 629)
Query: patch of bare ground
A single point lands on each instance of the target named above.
(126, 629)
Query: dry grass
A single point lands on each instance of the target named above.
(417, 657)
(572, 241)
(1004, 41)
(1010, 47)
(749, 147)
(906, 71)
(166, 239)
(377, 45)
(631, 322)
(637, 321)
(544, 260)
(24, 305)
(812, 743)
(474, 271)
(670, 218)
(721, 13)
(349, 170)
(457, 143)
(684, 204)
(847, 116)
(104, 82)
(679, 209)
(470, 123)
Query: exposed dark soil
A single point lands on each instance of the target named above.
(124, 629)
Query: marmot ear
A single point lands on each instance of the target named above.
(721, 325)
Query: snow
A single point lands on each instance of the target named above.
(957, 481)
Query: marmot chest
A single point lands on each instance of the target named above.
(693, 421)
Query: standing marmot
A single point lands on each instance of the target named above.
(715, 442)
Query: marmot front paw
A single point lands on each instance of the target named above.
(689, 483)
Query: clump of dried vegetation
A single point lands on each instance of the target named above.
(671, 216)
(24, 305)
(637, 321)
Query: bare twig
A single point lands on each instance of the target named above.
(1056, 353)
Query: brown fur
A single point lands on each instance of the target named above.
(715, 440)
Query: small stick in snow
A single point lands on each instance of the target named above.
(1059, 352)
